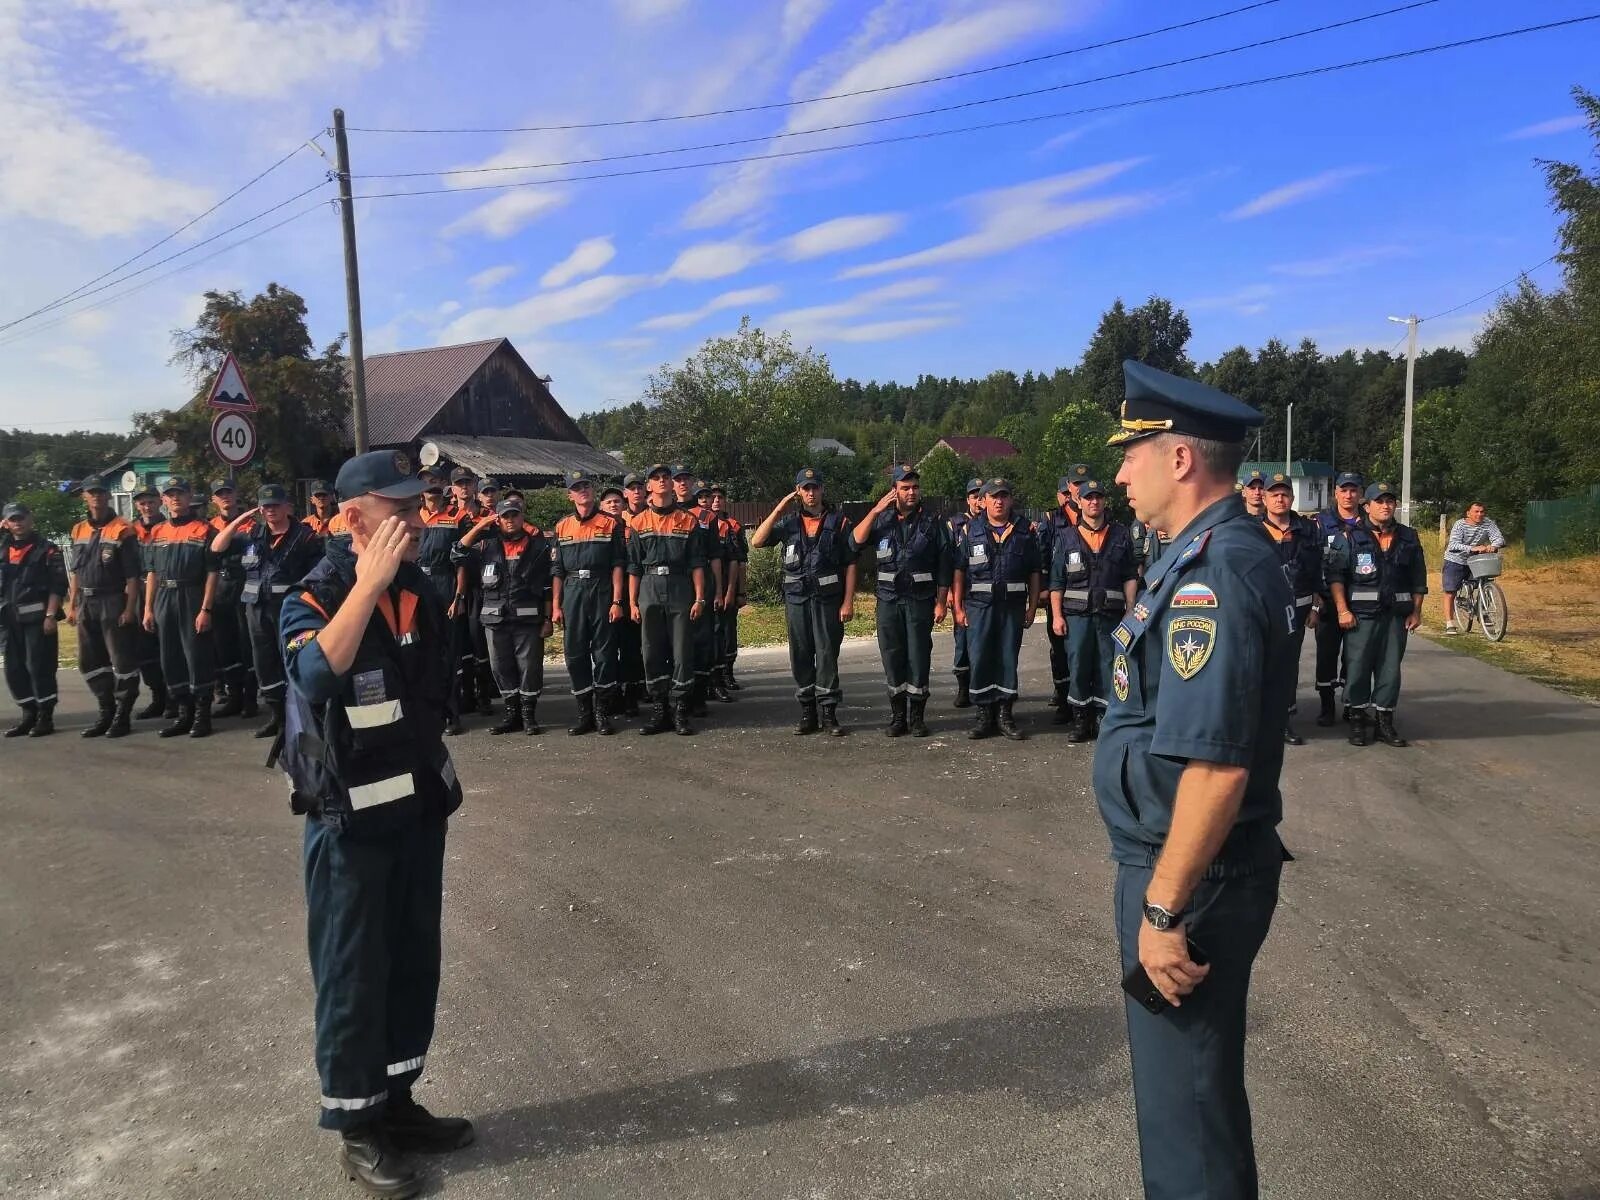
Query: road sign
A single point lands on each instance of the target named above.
(233, 437)
(229, 391)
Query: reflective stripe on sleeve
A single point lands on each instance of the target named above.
(371, 716)
(383, 792)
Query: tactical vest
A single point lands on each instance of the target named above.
(514, 578)
(815, 566)
(994, 569)
(372, 760)
(440, 532)
(907, 556)
(1091, 580)
(1049, 531)
(1377, 580)
(1300, 552)
(271, 571)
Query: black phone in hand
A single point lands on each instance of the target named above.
(1137, 984)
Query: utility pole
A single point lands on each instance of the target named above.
(1411, 324)
(352, 289)
(1288, 442)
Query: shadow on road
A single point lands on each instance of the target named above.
(1050, 1056)
(1448, 716)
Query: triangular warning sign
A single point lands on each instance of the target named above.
(229, 391)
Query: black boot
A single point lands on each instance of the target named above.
(121, 722)
(232, 701)
(1082, 721)
(808, 718)
(512, 721)
(173, 709)
(830, 721)
(1349, 714)
(897, 716)
(697, 697)
(983, 724)
(373, 1161)
(631, 695)
(486, 688)
(45, 722)
(274, 719)
(452, 725)
(1008, 723)
(586, 722)
(1387, 733)
(1325, 714)
(732, 684)
(107, 713)
(916, 712)
(660, 718)
(183, 722)
(1358, 727)
(248, 707)
(680, 719)
(1066, 711)
(158, 703)
(719, 690)
(603, 710)
(963, 694)
(530, 716)
(414, 1130)
(1290, 737)
(202, 717)
(30, 716)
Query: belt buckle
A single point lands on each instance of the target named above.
(584, 573)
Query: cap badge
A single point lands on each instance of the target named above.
(402, 464)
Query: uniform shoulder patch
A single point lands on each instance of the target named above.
(1190, 641)
(299, 641)
(1194, 595)
(1119, 676)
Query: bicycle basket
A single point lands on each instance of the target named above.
(1484, 566)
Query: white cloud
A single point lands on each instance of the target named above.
(859, 304)
(743, 298)
(636, 11)
(448, 308)
(229, 48)
(491, 277)
(888, 331)
(714, 260)
(1247, 301)
(799, 16)
(1546, 128)
(1293, 193)
(587, 257)
(1341, 263)
(839, 234)
(507, 213)
(840, 321)
(544, 310)
(1014, 216)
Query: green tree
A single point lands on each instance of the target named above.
(1155, 333)
(46, 460)
(944, 473)
(741, 410)
(54, 512)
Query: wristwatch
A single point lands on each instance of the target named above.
(1161, 918)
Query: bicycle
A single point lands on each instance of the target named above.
(1481, 599)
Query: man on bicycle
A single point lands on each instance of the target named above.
(1473, 534)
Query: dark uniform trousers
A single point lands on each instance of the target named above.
(1089, 649)
(664, 603)
(266, 649)
(589, 640)
(728, 635)
(629, 649)
(1188, 1062)
(815, 635)
(905, 643)
(108, 652)
(188, 659)
(1332, 654)
(232, 640)
(994, 639)
(703, 637)
(1061, 654)
(963, 655)
(30, 661)
(1374, 649)
(516, 655)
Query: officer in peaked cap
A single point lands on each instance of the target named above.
(364, 646)
(957, 526)
(1253, 490)
(1201, 680)
(1333, 523)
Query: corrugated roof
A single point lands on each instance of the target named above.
(980, 448)
(502, 457)
(406, 388)
(144, 448)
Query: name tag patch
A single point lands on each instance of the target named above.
(369, 687)
(1364, 563)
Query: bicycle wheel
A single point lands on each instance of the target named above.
(1493, 610)
(1466, 606)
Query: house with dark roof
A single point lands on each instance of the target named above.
(976, 449)
(483, 407)
(147, 463)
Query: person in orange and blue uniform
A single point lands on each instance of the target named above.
(178, 592)
(107, 574)
(33, 584)
(590, 554)
(669, 587)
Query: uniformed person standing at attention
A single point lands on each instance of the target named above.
(276, 552)
(735, 562)
(1092, 584)
(1334, 523)
(708, 647)
(178, 595)
(512, 578)
(147, 503)
(1300, 553)
(704, 626)
(669, 586)
(476, 661)
(325, 519)
(1253, 491)
(996, 597)
(366, 651)
(957, 525)
(1186, 775)
(236, 670)
(819, 594)
(33, 584)
(107, 575)
(913, 554)
(441, 529)
(630, 650)
(1378, 576)
(589, 588)
(1064, 516)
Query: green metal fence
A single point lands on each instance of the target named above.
(1569, 525)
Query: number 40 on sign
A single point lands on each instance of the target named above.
(233, 438)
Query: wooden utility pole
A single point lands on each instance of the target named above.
(352, 287)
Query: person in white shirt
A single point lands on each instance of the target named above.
(1473, 534)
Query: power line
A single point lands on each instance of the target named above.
(1492, 291)
(1011, 122)
(60, 300)
(872, 91)
(1058, 87)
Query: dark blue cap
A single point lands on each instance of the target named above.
(220, 485)
(1280, 480)
(974, 485)
(679, 469)
(633, 479)
(93, 483)
(1252, 476)
(656, 469)
(995, 486)
(177, 483)
(904, 471)
(1078, 472)
(487, 485)
(718, 489)
(1090, 487)
(147, 493)
(508, 506)
(1350, 479)
(462, 475)
(385, 473)
(1382, 489)
(702, 487)
(272, 493)
(1064, 482)
(578, 479)
(319, 487)
(807, 476)
(1156, 402)
(16, 510)
(610, 489)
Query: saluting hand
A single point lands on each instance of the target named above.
(1164, 955)
(380, 558)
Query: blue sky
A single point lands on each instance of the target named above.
(1309, 208)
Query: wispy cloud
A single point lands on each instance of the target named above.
(1341, 263)
(840, 234)
(547, 309)
(841, 321)
(1294, 193)
(799, 16)
(587, 257)
(1015, 216)
(1249, 301)
(507, 214)
(491, 277)
(714, 260)
(743, 298)
(636, 11)
(1545, 128)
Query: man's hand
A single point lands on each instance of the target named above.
(482, 523)
(939, 609)
(1347, 619)
(1164, 954)
(202, 621)
(633, 614)
(49, 626)
(556, 616)
(1058, 626)
(546, 629)
(614, 613)
(1413, 620)
(1312, 617)
(1027, 617)
(696, 609)
(71, 614)
(129, 614)
(378, 563)
(454, 610)
(961, 616)
(150, 622)
(847, 610)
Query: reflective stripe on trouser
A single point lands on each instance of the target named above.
(372, 920)
(30, 663)
(905, 643)
(1332, 657)
(188, 659)
(963, 659)
(1091, 650)
(629, 649)
(1188, 1062)
(994, 639)
(728, 637)
(1060, 657)
(1376, 645)
(815, 633)
(516, 653)
(266, 647)
(108, 652)
(589, 637)
(668, 640)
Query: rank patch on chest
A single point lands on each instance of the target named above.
(1190, 641)
(1141, 612)
(1194, 595)
(1119, 676)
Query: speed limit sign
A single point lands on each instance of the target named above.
(233, 437)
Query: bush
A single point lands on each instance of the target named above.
(763, 581)
(1579, 534)
(545, 506)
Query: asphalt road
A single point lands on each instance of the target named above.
(754, 965)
